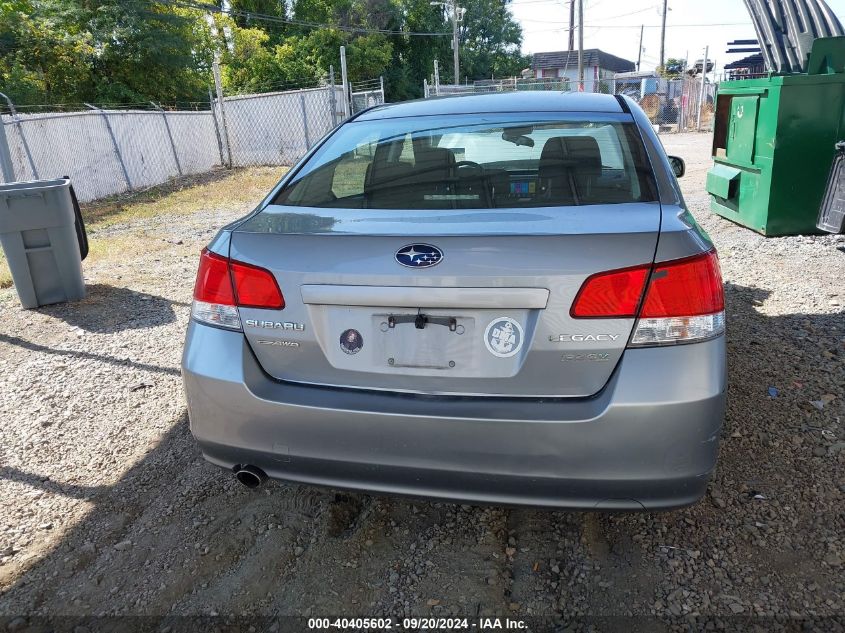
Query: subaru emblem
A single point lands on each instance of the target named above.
(419, 255)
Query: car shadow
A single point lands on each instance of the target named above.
(175, 535)
(47, 484)
(108, 309)
(70, 353)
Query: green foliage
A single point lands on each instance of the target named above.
(120, 51)
(250, 65)
(417, 54)
(674, 68)
(490, 41)
(134, 51)
(39, 57)
(170, 47)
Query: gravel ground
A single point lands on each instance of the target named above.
(106, 506)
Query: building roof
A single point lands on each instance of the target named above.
(592, 57)
(518, 101)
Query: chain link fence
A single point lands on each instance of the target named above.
(672, 105)
(116, 150)
(276, 128)
(106, 152)
(366, 94)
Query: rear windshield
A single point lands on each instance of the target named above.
(475, 162)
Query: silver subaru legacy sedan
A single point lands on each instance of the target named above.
(496, 298)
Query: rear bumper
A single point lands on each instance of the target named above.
(649, 440)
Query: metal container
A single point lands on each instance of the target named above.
(39, 235)
(773, 144)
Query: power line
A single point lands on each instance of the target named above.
(211, 8)
(623, 15)
(669, 26)
(612, 17)
(636, 26)
(517, 3)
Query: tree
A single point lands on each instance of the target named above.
(260, 14)
(248, 66)
(490, 40)
(40, 58)
(115, 51)
(415, 55)
(673, 69)
(147, 48)
(134, 51)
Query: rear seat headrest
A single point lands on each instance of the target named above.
(581, 154)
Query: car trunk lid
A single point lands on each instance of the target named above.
(491, 318)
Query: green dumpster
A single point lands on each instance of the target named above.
(773, 144)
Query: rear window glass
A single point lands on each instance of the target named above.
(475, 162)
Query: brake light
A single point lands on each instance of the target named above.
(255, 287)
(223, 285)
(685, 287)
(214, 284)
(683, 299)
(684, 303)
(614, 294)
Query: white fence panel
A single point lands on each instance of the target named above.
(196, 141)
(107, 152)
(79, 145)
(276, 128)
(73, 144)
(144, 146)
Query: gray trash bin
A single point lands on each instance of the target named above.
(39, 237)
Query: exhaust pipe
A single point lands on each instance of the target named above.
(250, 476)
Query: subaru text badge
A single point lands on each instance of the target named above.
(419, 255)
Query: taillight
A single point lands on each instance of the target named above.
(685, 287)
(255, 287)
(214, 284)
(614, 294)
(683, 300)
(223, 285)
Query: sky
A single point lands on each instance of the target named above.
(614, 27)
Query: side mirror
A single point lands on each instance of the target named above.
(679, 167)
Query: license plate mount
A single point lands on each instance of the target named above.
(424, 341)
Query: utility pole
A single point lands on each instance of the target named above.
(571, 25)
(455, 54)
(640, 52)
(457, 15)
(580, 45)
(663, 36)
(701, 95)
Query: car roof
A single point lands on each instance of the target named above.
(519, 101)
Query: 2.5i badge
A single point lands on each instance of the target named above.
(503, 337)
